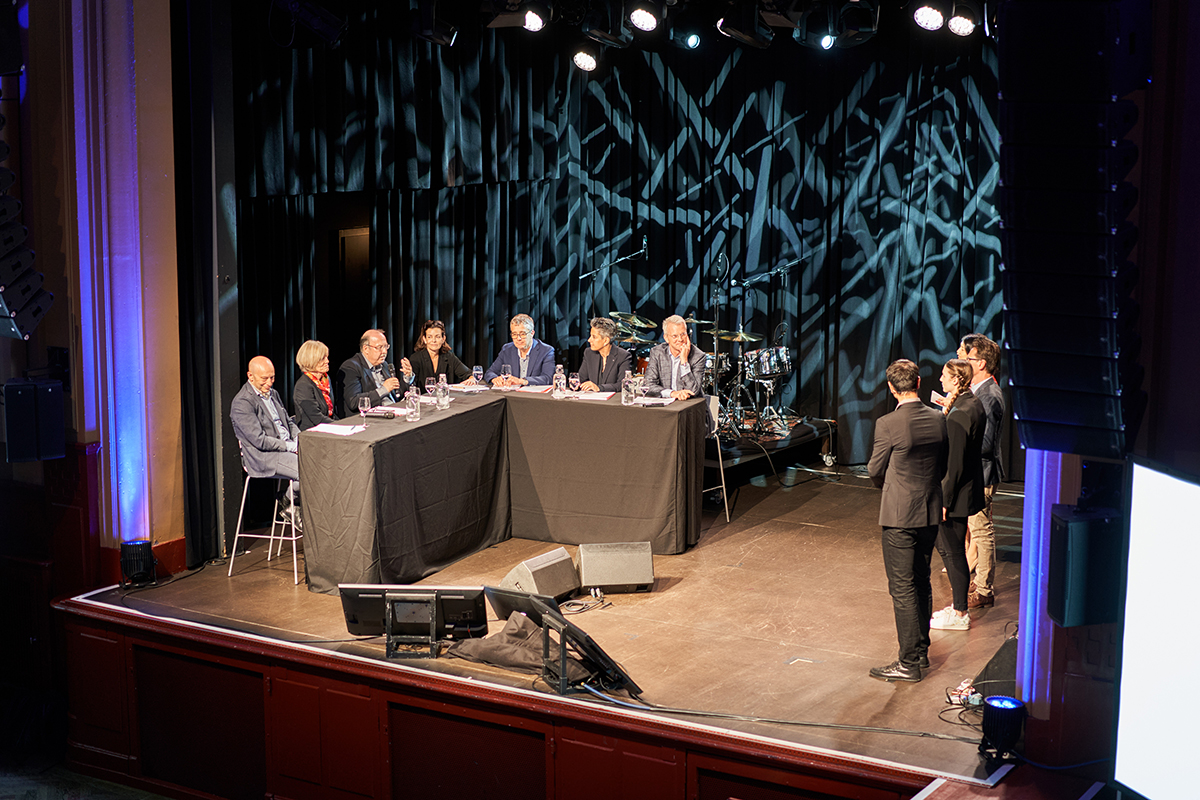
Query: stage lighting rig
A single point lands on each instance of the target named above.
(532, 16)
(587, 56)
(605, 24)
(428, 26)
(817, 27)
(967, 15)
(930, 14)
(685, 38)
(645, 15)
(742, 23)
(859, 20)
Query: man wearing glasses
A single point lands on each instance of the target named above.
(675, 368)
(984, 355)
(529, 362)
(367, 375)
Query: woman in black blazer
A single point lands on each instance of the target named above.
(962, 488)
(311, 397)
(433, 358)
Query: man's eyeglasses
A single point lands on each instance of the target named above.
(380, 347)
(519, 334)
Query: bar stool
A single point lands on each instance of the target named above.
(714, 414)
(296, 533)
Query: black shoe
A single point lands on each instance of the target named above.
(923, 661)
(896, 671)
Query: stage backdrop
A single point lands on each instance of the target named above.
(493, 177)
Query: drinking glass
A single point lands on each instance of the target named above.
(364, 403)
(430, 385)
(573, 381)
(506, 371)
(477, 373)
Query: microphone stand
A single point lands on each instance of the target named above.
(606, 265)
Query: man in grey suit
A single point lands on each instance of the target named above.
(676, 368)
(908, 461)
(267, 434)
(984, 355)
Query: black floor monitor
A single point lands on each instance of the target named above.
(506, 601)
(460, 610)
(607, 672)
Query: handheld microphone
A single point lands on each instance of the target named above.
(644, 240)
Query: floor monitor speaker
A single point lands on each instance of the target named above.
(616, 567)
(551, 573)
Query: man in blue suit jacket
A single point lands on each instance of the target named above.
(532, 362)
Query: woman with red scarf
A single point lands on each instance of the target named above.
(311, 397)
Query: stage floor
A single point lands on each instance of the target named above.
(777, 614)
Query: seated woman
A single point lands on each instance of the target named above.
(311, 398)
(962, 488)
(433, 358)
(604, 363)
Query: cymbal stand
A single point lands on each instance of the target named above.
(768, 412)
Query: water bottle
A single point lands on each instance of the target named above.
(443, 393)
(627, 388)
(414, 405)
(560, 383)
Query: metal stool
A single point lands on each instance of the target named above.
(296, 534)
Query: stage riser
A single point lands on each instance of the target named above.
(192, 713)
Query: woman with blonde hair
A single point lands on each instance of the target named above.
(311, 398)
(962, 488)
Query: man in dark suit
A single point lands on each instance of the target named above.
(604, 363)
(366, 375)
(531, 362)
(676, 368)
(908, 461)
(984, 356)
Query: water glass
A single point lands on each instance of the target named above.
(430, 385)
(573, 381)
(477, 373)
(364, 404)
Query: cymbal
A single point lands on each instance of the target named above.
(632, 319)
(694, 321)
(634, 338)
(739, 336)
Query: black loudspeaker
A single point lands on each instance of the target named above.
(1083, 585)
(616, 567)
(550, 573)
(1069, 314)
(11, 62)
(33, 420)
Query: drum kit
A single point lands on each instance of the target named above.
(758, 369)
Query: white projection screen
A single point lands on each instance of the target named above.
(1155, 737)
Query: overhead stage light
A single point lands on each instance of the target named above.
(859, 20)
(536, 16)
(930, 14)
(427, 26)
(607, 25)
(645, 14)
(816, 27)
(587, 57)
(966, 17)
(743, 24)
(684, 38)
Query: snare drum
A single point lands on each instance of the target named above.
(716, 363)
(770, 362)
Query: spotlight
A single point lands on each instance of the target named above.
(859, 20)
(930, 14)
(587, 57)
(427, 26)
(967, 15)
(536, 16)
(1003, 718)
(137, 563)
(684, 38)
(816, 27)
(607, 25)
(645, 14)
(743, 24)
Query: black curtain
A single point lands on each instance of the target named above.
(851, 192)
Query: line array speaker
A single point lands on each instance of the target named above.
(34, 420)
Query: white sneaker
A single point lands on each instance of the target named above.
(948, 620)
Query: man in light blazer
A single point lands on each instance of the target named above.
(262, 425)
(604, 363)
(531, 361)
(675, 368)
(984, 355)
(908, 461)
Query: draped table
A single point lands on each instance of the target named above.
(401, 500)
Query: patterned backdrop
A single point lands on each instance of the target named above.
(844, 200)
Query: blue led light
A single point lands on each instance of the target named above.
(1000, 701)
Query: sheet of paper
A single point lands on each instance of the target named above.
(591, 395)
(475, 387)
(654, 401)
(534, 389)
(338, 430)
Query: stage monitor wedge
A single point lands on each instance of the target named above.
(551, 573)
(616, 567)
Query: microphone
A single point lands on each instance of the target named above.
(644, 240)
(391, 370)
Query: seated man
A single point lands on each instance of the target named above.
(366, 375)
(267, 434)
(604, 363)
(531, 361)
(675, 369)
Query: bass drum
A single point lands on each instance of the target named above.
(716, 364)
(769, 362)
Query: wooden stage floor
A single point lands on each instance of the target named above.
(777, 614)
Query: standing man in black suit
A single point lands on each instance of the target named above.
(984, 355)
(367, 375)
(908, 461)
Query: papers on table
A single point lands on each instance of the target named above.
(654, 401)
(534, 389)
(429, 400)
(473, 387)
(590, 395)
(338, 430)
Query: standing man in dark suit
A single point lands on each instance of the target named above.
(676, 368)
(908, 461)
(984, 356)
(366, 375)
(604, 363)
(530, 362)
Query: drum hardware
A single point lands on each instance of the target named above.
(739, 336)
(634, 338)
(694, 321)
(633, 320)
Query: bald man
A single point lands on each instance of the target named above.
(262, 425)
(368, 374)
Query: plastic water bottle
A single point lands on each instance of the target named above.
(627, 388)
(414, 405)
(443, 393)
(560, 383)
